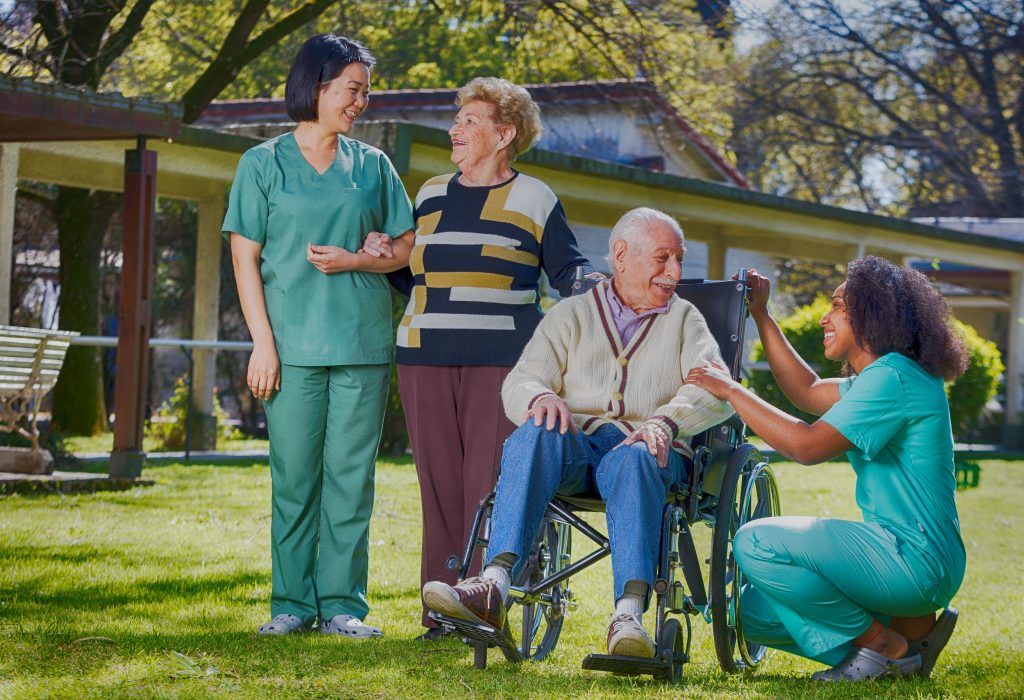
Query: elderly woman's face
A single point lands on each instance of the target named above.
(478, 140)
(342, 100)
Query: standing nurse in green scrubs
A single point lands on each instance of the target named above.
(319, 312)
(859, 596)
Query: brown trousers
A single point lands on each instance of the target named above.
(456, 426)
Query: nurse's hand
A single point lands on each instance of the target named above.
(329, 258)
(378, 245)
(264, 374)
(713, 378)
(760, 289)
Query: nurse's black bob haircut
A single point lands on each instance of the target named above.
(321, 59)
(898, 309)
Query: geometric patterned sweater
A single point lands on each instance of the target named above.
(475, 268)
(577, 354)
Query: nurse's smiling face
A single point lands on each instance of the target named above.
(343, 100)
(841, 344)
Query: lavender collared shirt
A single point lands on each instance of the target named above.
(626, 320)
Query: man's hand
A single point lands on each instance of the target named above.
(552, 410)
(378, 245)
(655, 437)
(713, 378)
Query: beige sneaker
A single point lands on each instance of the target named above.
(627, 637)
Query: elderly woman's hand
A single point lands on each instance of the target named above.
(713, 378)
(330, 259)
(552, 411)
(655, 437)
(378, 245)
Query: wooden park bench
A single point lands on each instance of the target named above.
(30, 362)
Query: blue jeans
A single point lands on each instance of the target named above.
(537, 463)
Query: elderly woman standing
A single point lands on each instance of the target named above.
(319, 313)
(483, 236)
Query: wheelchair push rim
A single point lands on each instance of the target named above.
(540, 617)
(749, 492)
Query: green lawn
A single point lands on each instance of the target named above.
(156, 592)
(104, 442)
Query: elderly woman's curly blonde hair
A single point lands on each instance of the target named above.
(512, 106)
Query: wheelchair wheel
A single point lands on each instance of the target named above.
(537, 621)
(748, 492)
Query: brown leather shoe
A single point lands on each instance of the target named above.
(476, 599)
(627, 637)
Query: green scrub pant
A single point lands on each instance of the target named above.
(324, 427)
(816, 584)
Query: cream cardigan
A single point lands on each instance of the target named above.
(577, 354)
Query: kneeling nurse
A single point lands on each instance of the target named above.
(859, 596)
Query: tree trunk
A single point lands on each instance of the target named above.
(81, 217)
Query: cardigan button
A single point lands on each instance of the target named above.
(623, 361)
(617, 396)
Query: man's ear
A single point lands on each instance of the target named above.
(619, 250)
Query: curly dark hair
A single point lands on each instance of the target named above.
(897, 309)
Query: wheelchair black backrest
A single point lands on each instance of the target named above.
(723, 306)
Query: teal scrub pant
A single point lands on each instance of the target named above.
(815, 584)
(324, 427)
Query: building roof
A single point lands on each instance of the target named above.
(636, 92)
(31, 111)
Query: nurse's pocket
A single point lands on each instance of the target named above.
(331, 317)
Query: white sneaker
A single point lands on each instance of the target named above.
(627, 637)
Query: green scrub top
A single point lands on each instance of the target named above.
(897, 417)
(279, 201)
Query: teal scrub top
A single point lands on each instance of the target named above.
(279, 201)
(897, 417)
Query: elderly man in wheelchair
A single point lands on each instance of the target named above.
(601, 403)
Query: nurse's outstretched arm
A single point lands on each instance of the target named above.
(798, 381)
(264, 373)
(800, 442)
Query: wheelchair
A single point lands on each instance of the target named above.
(728, 485)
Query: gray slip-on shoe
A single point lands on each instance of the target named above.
(864, 664)
(282, 624)
(931, 646)
(349, 626)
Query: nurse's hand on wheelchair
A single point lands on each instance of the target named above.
(760, 289)
(552, 411)
(655, 437)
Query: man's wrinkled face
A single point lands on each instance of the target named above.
(646, 273)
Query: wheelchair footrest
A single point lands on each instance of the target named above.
(625, 665)
(482, 633)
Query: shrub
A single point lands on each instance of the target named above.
(167, 426)
(967, 395)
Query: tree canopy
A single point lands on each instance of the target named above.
(902, 107)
